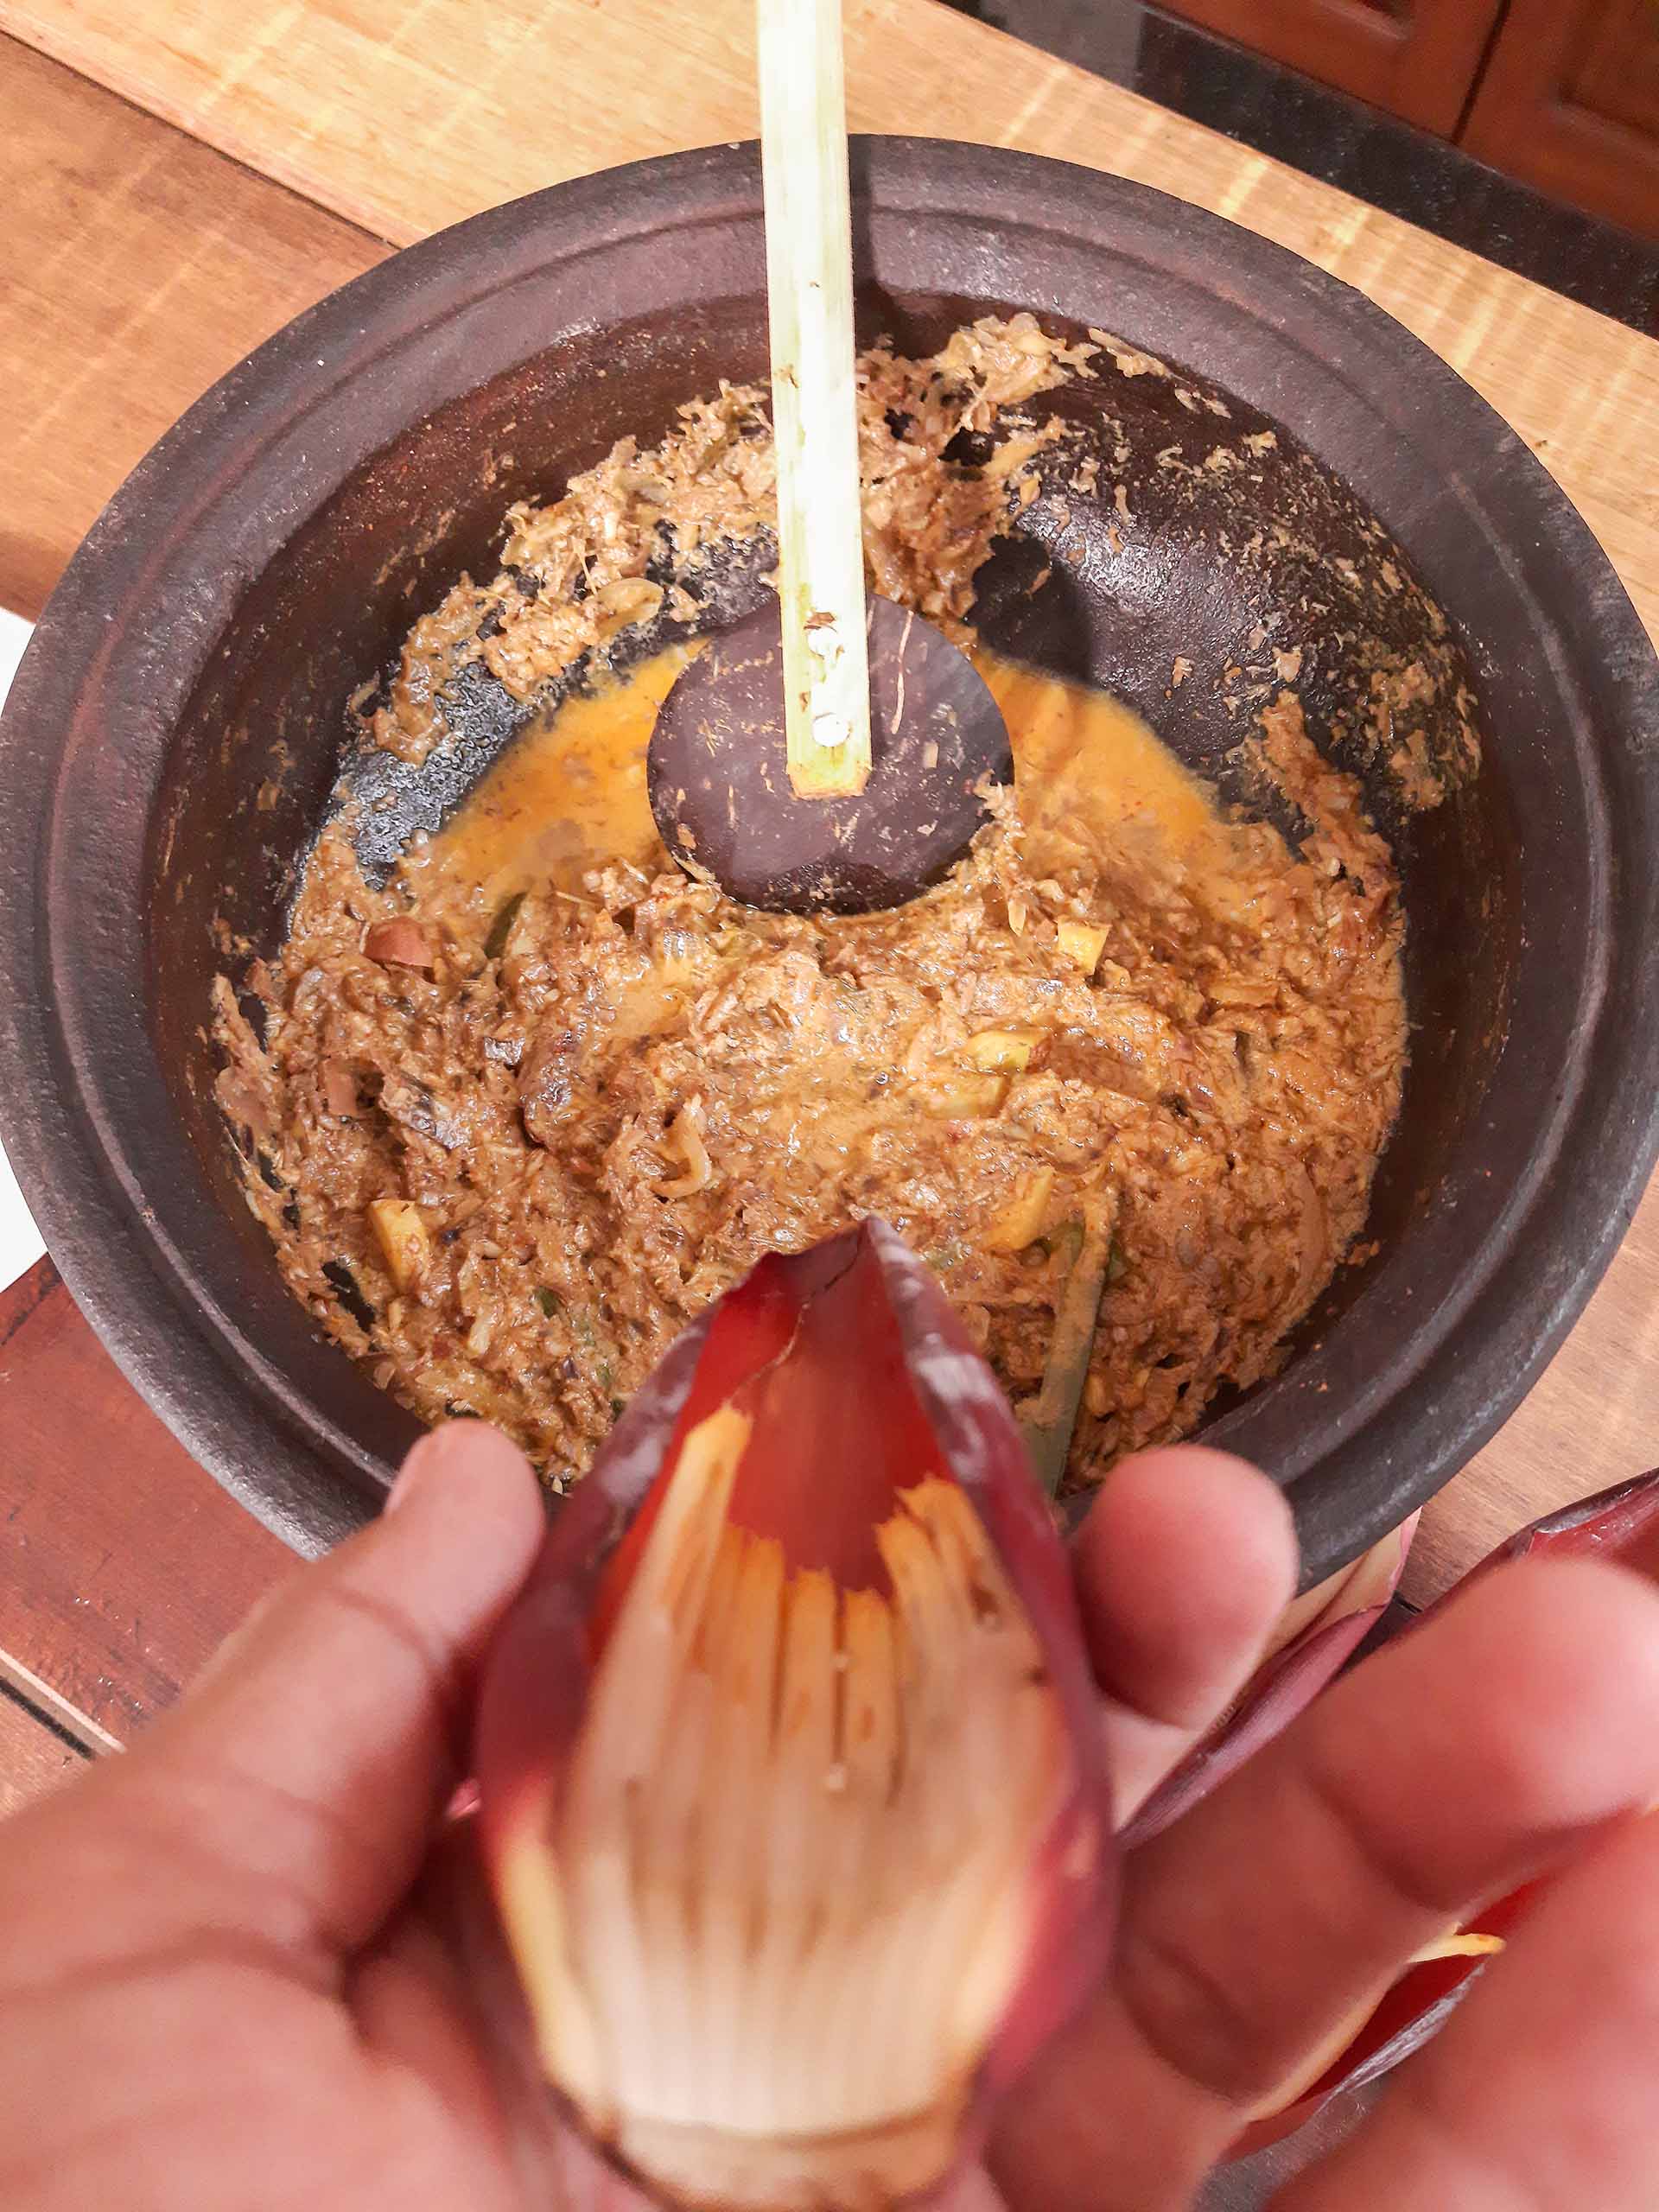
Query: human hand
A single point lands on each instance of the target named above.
(225, 1983)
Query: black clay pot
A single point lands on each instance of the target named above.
(175, 732)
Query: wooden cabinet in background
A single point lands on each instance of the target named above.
(1563, 95)
(1569, 101)
(1419, 59)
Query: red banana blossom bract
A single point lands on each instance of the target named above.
(792, 1783)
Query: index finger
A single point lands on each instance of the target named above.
(1185, 1562)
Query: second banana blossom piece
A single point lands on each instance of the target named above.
(1620, 1524)
(1318, 1633)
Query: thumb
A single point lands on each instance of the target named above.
(306, 1771)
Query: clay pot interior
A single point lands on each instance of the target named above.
(239, 816)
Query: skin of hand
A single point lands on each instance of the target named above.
(226, 1982)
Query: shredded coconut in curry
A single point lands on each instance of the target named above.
(507, 1149)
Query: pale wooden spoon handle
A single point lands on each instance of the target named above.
(814, 396)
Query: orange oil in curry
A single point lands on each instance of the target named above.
(569, 793)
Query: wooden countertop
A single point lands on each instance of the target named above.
(180, 178)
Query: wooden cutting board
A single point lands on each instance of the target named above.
(180, 177)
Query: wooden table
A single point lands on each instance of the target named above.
(178, 177)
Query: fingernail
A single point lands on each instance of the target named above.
(427, 1461)
(406, 1477)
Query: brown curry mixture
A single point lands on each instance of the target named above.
(516, 1116)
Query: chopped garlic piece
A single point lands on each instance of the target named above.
(1001, 1052)
(1083, 942)
(400, 1228)
(1022, 1220)
(961, 1096)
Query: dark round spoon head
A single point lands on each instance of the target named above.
(718, 773)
